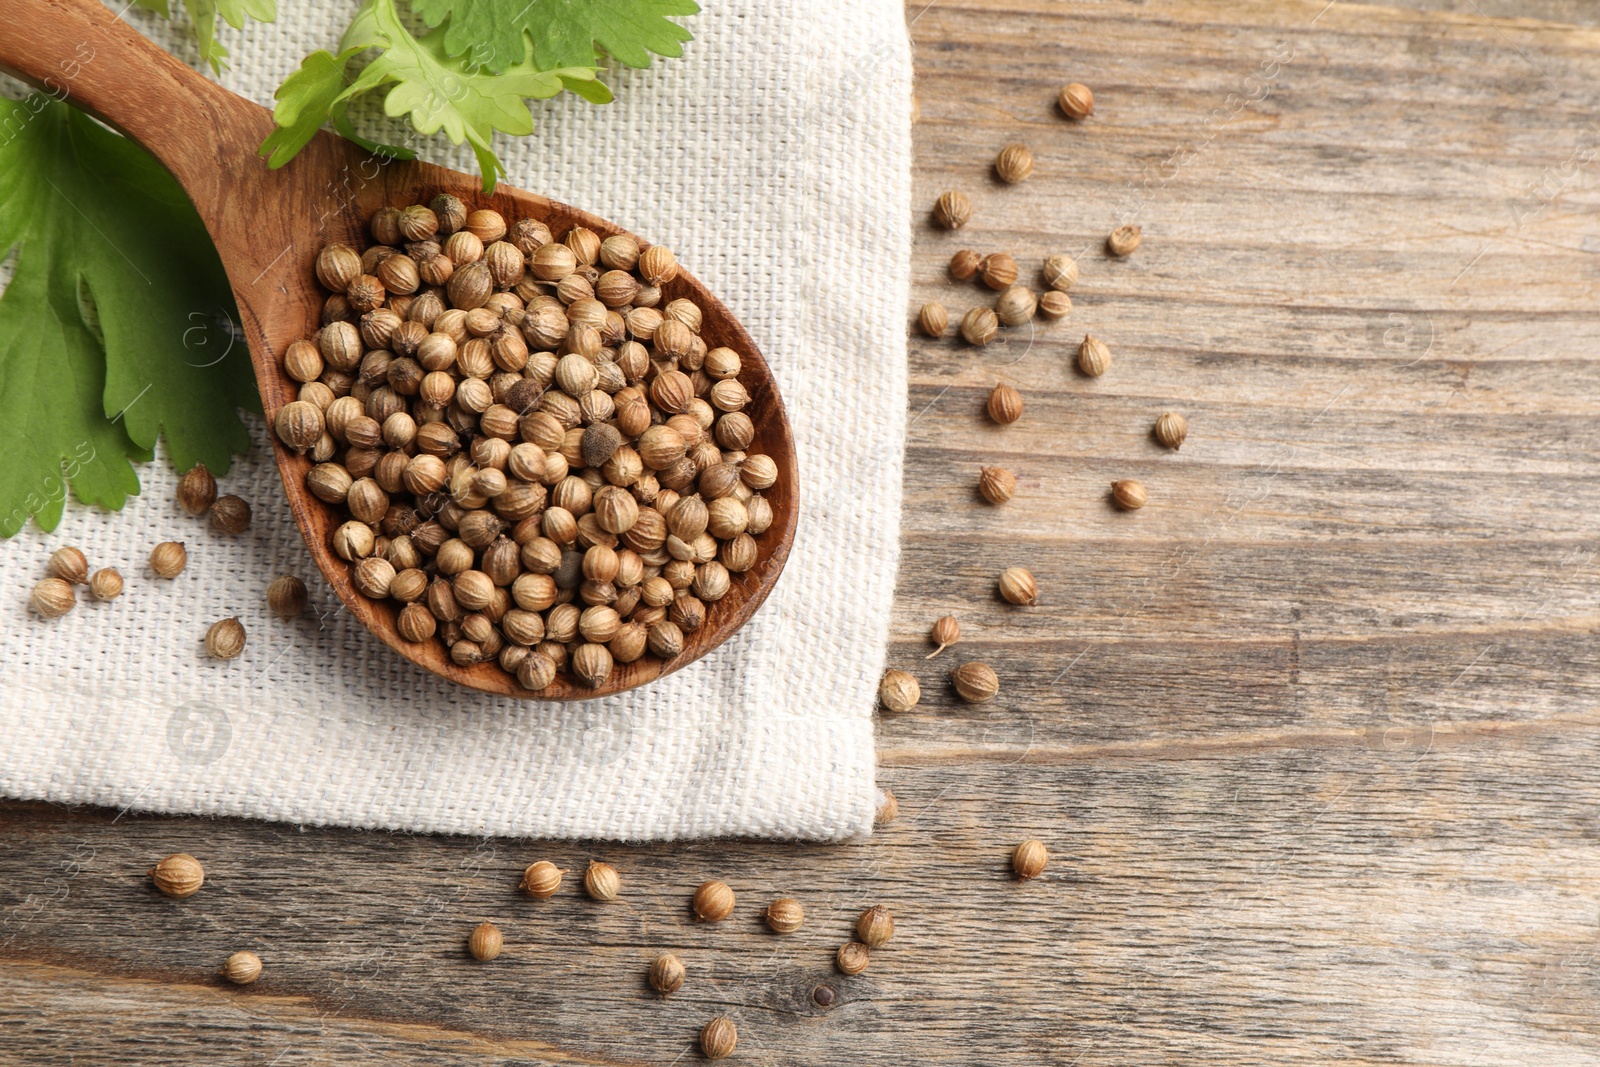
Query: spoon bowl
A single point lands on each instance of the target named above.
(268, 227)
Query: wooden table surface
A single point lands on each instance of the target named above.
(1312, 737)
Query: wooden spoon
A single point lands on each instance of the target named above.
(268, 227)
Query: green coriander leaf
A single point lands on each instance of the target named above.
(87, 207)
(565, 33)
(204, 13)
(304, 102)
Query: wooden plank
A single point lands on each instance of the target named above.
(1311, 737)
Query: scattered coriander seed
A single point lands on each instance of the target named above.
(898, 691)
(52, 598)
(946, 632)
(1029, 858)
(168, 559)
(1060, 272)
(242, 968)
(823, 996)
(225, 639)
(785, 915)
(997, 484)
(975, 682)
(667, 974)
(1015, 305)
(713, 901)
(952, 210)
(68, 564)
(105, 584)
(1128, 494)
(178, 875)
(542, 880)
(485, 941)
(1094, 357)
(999, 270)
(888, 809)
(933, 319)
(1017, 585)
(1076, 100)
(1005, 404)
(853, 957)
(718, 1038)
(1014, 163)
(601, 881)
(230, 515)
(286, 596)
(1171, 429)
(1054, 304)
(979, 326)
(964, 265)
(875, 926)
(1123, 240)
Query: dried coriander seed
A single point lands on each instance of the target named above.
(168, 559)
(1094, 357)
(1128, 494)
(997, 484)
(718, 1038)
(1015, 305)
(1076, 101)
(999, 271)
(945, 632)
(933, 319)
(1005, 404)
(178, 875)
(964, 265)
(1054, 304)
(52, 598)
(1060, 272)
(1028, 859)
(1017, 585)
(242, 968)
(979, 326)
(1171, 428)
(785, 915)
(230, 515)
(1123, 240)
(852, 957)
(601, 881)
(105, 584)
(485, 941)
(1013, 164)
(286, 596)
(875, 926)
(68, 564)
(225, 639)
(888, 809)
(667, 974)
(899, 691)
(713, 901)
(952, 210)
(542, 880)
(975, 682)
(197, 489)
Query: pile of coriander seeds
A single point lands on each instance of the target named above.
(543, 466)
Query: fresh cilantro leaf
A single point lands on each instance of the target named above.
(304, 101)
(565, 33)
(204, 13)
(87, 208)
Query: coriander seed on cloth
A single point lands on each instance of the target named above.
(774, 159)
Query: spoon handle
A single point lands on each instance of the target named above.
(82, 52)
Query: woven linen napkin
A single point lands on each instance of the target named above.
(774, 158)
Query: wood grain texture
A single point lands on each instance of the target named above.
(268, 227)
(1312, 738)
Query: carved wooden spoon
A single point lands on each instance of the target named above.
(268, 227)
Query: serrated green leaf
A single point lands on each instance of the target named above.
(84, 205)
(494, 34)
(304, 102)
